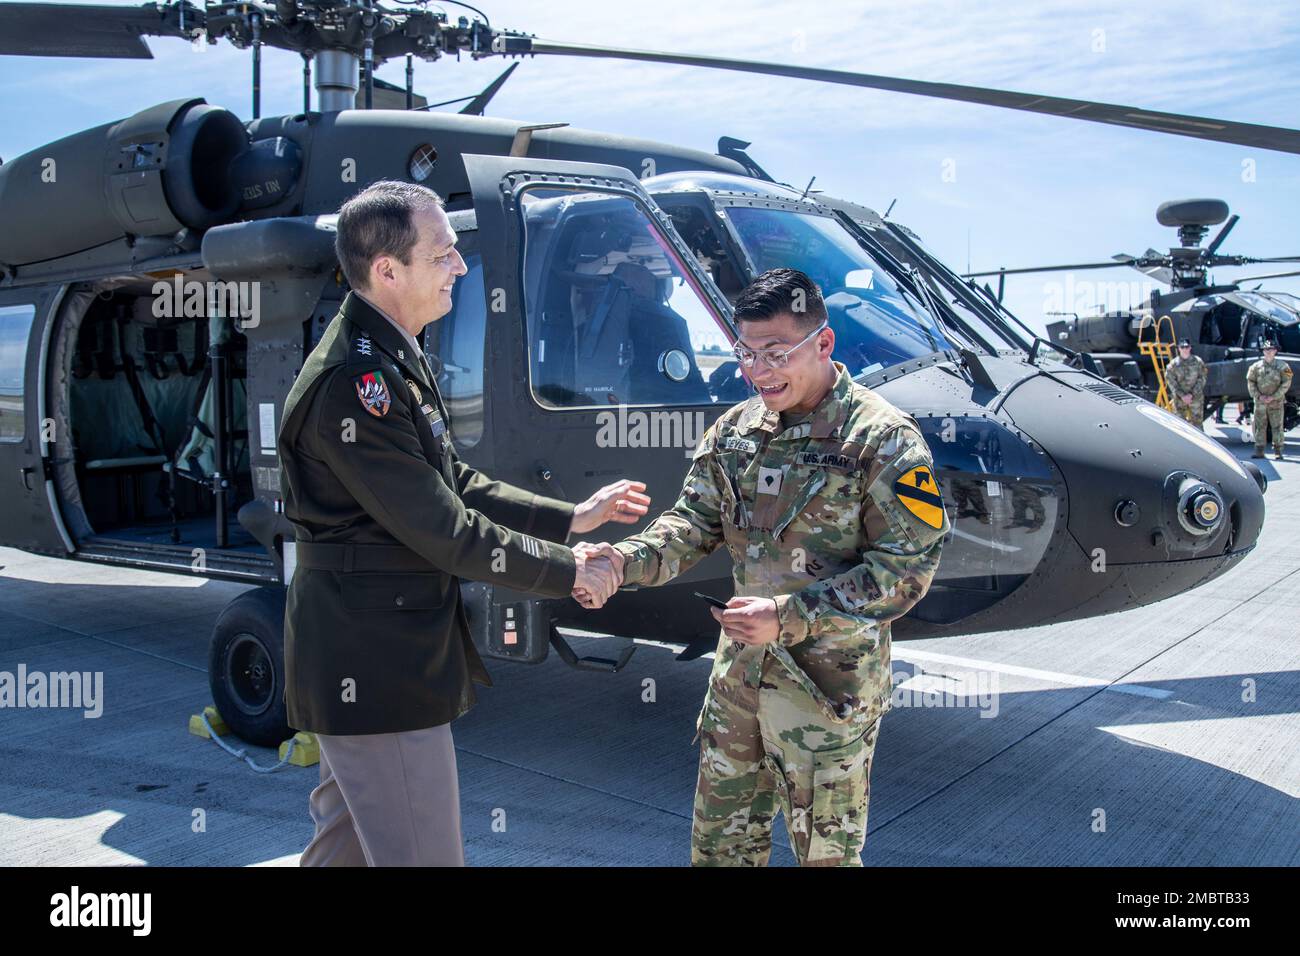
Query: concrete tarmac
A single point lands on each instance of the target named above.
(1166, 735)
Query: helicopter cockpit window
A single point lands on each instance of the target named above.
(875, 325)
(15, 326)
(613, 315)
(1264, 306)
(990, 330)
(1284, 298)
(457, 354)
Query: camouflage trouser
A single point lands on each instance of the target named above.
(1194, 413)
(768, 746)
(1265, 416)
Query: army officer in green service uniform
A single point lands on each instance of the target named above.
(825, 496)
(386, 518)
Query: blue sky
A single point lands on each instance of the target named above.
(990, 186)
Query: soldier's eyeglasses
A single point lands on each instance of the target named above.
(772, 358)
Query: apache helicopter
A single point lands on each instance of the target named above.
(163, 277)
(1224, 322)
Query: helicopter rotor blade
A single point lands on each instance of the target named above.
(90, 30)
(1151, 264)
(1198, 127)
(1077, 265)
(1213, 247)
(1271, 275)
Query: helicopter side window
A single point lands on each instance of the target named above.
(1222, 325)
(15, 326)
(457, 352)
(613, 316)
(875, 324)
(693, 225)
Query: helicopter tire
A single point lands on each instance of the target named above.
(1290, 416)
(246, 667)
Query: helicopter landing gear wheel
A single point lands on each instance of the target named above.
(246, 667)
(1290, 415)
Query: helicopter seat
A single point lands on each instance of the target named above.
(655, 328)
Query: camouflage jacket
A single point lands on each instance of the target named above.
(838, 518)
(1186, 377)
(1268, 378)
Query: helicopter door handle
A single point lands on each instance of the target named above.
(26, 471)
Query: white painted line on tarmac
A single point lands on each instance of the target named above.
(1052, 677)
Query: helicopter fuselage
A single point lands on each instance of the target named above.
(589, 341)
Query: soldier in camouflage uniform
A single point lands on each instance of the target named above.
(824, 494)
(1268, 381)
(1185, 377)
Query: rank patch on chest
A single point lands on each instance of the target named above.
(917, 491)
(373, 392)
(769, 481)
(740, 444)
(415, 390)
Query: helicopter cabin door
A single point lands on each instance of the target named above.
(28, 505)
(610, 348)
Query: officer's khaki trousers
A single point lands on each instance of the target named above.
(387, 800)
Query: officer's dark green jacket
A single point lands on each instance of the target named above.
(386, 520)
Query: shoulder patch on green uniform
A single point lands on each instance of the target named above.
(373, 392)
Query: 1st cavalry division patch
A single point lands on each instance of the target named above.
(373, 392)
(917, 492)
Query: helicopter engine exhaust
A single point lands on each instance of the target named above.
(167, 168)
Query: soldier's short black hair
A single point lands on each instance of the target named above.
(780, 292)
(378, 221)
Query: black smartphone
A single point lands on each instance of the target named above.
(720, 605)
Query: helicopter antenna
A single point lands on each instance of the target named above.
(808, 187)
(890, 209)
(255, 24)
(306, 81)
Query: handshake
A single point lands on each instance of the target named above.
(600, 573)
(600, 567)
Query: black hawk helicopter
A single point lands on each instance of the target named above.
(1224, 321)
(163, 277)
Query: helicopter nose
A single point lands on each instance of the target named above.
(1149, 495)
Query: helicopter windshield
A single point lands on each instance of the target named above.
(984, 318)
(1264, 306)
(1284, 298)
(875, 325)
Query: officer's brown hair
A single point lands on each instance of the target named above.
(379, 221)
(779, 292)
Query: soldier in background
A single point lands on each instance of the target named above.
(825, 496)
(1185, 377)
(1268, 381)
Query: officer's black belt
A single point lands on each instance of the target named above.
(360, 557)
